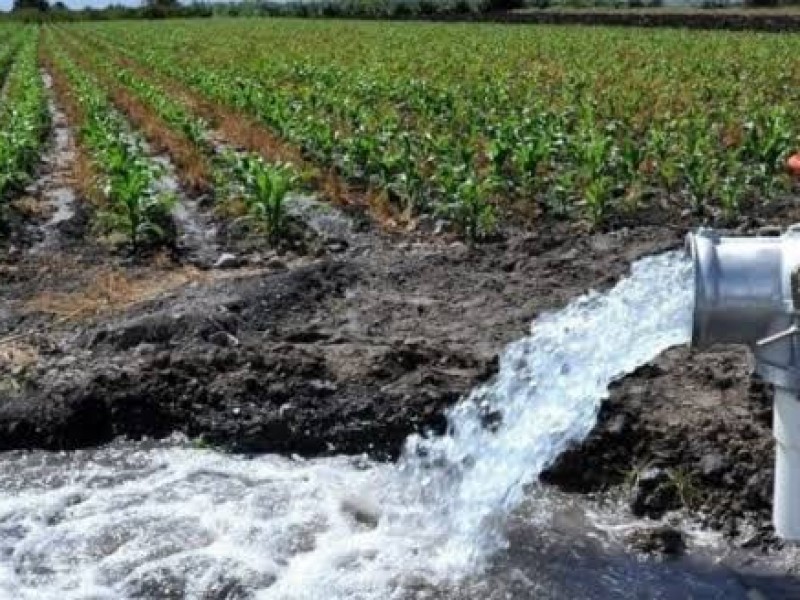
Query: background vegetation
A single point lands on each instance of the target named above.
(467, 121)
(57, 11)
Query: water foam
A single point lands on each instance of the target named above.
(175, 521)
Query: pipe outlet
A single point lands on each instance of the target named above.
(747, 291)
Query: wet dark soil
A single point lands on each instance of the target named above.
(689, 430)
(351, 349)
(349, 352)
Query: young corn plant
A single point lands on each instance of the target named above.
(731, 194)
(500, 150)
(669, 173)
(134, 208)
(700, 172)
(732, 191)
(398, 172)
(529, 156)
(594, 154)
(270, 185)
(768, 139)
(264, 188)
(470, 209)
(597, 196)
(632, 155)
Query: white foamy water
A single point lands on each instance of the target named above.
(172, 521)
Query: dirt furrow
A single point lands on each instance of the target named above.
(55, 185)
(193, 170)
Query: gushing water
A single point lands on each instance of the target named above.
(549, 388)
(170, 520)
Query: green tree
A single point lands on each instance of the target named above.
(159, 9)
(161, 4)
(38, 5)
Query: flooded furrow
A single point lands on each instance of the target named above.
(196, 231)
(55, 186)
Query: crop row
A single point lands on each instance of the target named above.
(127, 177)
(8, 50)
(575, 122)
(24, 118)
(262, 187)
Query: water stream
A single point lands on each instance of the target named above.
(169, 520)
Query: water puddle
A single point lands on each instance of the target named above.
(456, 514)
(565, 547)
(195, 233)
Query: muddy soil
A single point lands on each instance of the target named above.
(688, 431)
(345, 353)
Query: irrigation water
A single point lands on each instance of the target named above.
(170, 520)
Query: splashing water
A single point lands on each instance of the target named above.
(547, 394)
(170, 520)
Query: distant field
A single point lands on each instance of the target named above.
(463, 121)
(775, 11)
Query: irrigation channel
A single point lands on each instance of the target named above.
(457, 516)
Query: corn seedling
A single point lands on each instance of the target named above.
(264, 189)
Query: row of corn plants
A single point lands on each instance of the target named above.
(589, 124)
(262, 187)
(465, 196)
(127, 177)
(24, 118)
(8, 51)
